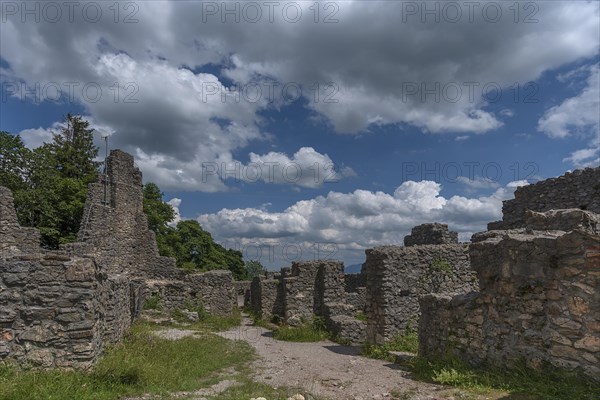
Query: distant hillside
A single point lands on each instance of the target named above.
(353, 269)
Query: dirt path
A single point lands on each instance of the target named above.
(328, 369)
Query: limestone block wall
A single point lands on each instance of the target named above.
(312, 288)
(60, 308)
(114, 228)
(329, 291)
(577, 189)
(56, 309)
(398, 276)
(216, 289)
(539, 300)
(299, 295)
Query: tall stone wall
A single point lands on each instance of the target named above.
(61, 308)
(114, 230)
(398, 276)
(299, 288)
(539, 298)
(577, 189)
(56, 310)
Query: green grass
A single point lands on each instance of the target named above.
(153, 303)
(361, 316)
(141, 364)
(441, 265)
(311, 332)
(406, 341)
(545, 383)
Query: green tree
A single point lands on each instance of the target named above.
(50, 183)
(159, 212)
(254, 268)
(195, 249)
(74, 151)
(14, 162)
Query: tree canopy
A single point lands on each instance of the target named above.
(192, 247)
(49, 183)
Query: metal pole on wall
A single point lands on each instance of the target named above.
(106, 170)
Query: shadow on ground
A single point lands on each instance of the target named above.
(344, 350)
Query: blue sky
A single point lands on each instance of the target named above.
(389, 155)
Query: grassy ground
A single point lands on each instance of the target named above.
(520, 381)
(310, 332)
(146, 364)
(207, 322)
(142, 363)
(407, 341)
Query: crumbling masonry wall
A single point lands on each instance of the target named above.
(577, 189)
(433, 233)
(56, 310)
(539, 298)
(308, 289)
(264, 298)
(214, 290)
(61, 308)
(114, 230)
(356, 291)
(398, 276)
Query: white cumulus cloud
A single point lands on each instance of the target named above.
(354, 221)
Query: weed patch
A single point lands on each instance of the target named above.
(311, 332)
(545, 383)
(142, 363)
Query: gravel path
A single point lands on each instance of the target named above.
(328, 369)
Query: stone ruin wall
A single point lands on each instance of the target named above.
(265, 298)
(398, 276)
(356, 291)
(114, 229)
(433, 233)
(577, 189)
(539, 299)
(312, 288)
(540, 280)
(386, 291)
(61, 308)
(51, 301)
